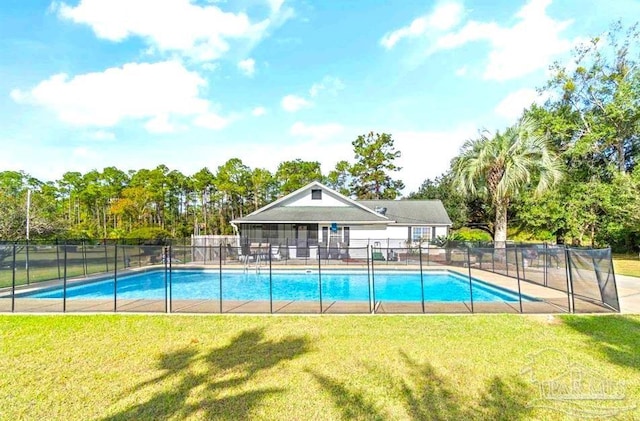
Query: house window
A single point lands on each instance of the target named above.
(340, 235)
(420, 233)
(316, 194)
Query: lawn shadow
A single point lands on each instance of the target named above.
(204, 383)
(427, 395)
(616, 337)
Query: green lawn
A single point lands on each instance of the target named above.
(113, 367)
(626, 264)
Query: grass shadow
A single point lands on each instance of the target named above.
(616, 337)
(427, 395)
(214, 384)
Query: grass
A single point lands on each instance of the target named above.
(133, 367)
(626, 264)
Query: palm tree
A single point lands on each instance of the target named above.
(502, 166)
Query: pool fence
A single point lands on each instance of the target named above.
(540, 278)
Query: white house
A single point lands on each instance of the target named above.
(316, 217)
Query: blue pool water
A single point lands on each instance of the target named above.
(286, 285)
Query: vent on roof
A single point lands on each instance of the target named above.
(381, 210)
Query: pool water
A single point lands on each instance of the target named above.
(286, 285)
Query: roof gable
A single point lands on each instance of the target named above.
(302, 198)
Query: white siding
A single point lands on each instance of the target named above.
(398, 232)
(304, 199)
(441, 231)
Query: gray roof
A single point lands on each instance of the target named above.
(313, 214)
(412, 212)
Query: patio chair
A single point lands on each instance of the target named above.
(275, 253)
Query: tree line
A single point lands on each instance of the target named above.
(162, 202)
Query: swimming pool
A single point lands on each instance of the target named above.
(401, 286)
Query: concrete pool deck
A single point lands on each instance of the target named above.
(550, 300)
(628, 294)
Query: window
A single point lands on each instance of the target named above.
(316, 194)
(340, 235)
(420, 233)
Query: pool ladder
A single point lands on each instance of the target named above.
(247, 263)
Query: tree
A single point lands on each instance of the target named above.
(375, 156)
(204, 185)
(444, 189)
(292, 175)
(263, 187)
(595, 108)
(232, 181)
(340, 177)
(14, 187)
(498, 168)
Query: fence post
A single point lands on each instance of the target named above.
(421, 275)
(270, 282)
(517, 265)
(64, 284)
(470, 281)
(545, 270)
(571, 304)
(613, 274)
(166, 297)
(373, 278)
(320, 280)
(220, 275)
(518, 279)
(170, 277)
(26, 263)
(369, 280)
(13, 280)
(115, 275)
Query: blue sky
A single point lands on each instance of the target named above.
(86, 84)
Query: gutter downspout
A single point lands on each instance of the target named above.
(235, 229)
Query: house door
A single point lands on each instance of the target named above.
(302, 235)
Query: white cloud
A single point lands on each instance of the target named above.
(275, 5)
(530, 44)
(316, 132)
(248, 66)
(154, 93)
(444, 17)
(211, 121)
(462, 71)
(83, 152)
(329, 84)
(512, 106)
(258, 111)
(293, 103)
(202, 32)
(159, 124)
(428, 154)
(102, 135)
